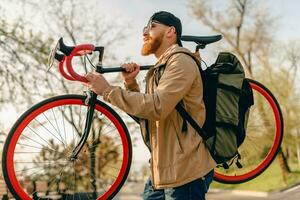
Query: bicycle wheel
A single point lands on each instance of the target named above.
(263, 138)
(36, 155)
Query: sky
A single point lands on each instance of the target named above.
(137, 12)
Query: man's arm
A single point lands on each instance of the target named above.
(175, 82)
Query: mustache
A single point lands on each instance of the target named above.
(147, 38)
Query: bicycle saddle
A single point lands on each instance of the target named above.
(201, 40)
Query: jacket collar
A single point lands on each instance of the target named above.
(164, 57)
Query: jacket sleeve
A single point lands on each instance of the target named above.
(133, 86)
(176, 81)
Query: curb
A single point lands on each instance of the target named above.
(249, 193)
(255, 193)
(239, 192)
(290, 188)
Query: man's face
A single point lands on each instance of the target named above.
(153, 35)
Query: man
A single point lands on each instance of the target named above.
(181, 166)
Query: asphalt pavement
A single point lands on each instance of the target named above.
(132, 191)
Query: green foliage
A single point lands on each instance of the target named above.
(270, 180)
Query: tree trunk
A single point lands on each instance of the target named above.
(285, 169)
(298, 154)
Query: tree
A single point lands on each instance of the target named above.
(244, 25)
(23, 76)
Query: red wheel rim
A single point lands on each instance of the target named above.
(271, 154)
(11, 148)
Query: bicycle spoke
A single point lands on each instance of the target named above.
(24, 170)
(30, 152)
(28, 138)
(51, 133)
(35, 147)
(50, 123)
(40, 162)
(38, 135)
(54, 178)
(62, 116)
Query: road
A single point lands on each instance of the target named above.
(132, 191)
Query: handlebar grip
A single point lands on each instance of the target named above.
(78, 50)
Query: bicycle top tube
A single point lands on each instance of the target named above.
(64, 54)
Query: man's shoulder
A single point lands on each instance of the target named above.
(183, 55)
(177, 53)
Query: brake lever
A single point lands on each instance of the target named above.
(51, 56)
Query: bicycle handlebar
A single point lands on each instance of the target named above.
(68, 52)
(78, 50)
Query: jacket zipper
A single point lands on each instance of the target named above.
(146, 120)
(151, 165)
(148, 128)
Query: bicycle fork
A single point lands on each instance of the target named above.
(91, 102)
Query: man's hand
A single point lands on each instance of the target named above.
(96, 82)
(131, 71)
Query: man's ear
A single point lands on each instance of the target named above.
(171, 31)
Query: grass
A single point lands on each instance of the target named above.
(269, 180)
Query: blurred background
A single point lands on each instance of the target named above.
(263, 34)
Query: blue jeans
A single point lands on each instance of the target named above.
(194, 190)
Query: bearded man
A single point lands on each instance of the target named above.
(181, 166)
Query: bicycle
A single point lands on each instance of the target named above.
(78, 147)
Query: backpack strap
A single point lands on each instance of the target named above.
(179, 107)
(161, 68)
(185, 115)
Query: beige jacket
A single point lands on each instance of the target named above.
(177, 157)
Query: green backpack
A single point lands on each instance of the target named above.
(227, 97)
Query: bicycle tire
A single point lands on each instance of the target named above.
(263, 157)
(21, 139)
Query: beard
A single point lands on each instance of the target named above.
(151, 45)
